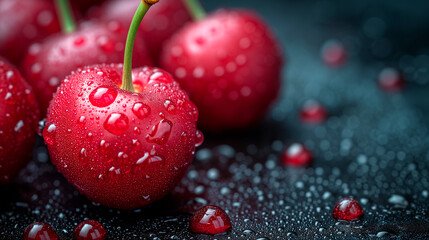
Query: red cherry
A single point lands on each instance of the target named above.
(46, 64)
(230, 64)
(347, 209)
(84, 5)
(18, 121)
(296, 154)
(313, 112)
(391, 80)
(210, 220)
(89, 230)
(137, 151)
(167, 17)
(23, 22)
(333, 53)
(40, 231)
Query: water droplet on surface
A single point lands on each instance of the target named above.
(89, 230)
(391, 80)
(398, 201)
(116, 123)
(296, 154)
(170, 106)
(347, 209)
(210, 220)
(141, 110)
(160, 132)
(199, 138)
(39, 231)
(79, 41)
(333, 53)
(103, 96)
(313, 112)
(48, 134)
(106, 44)
(18, 126)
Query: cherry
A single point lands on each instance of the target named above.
(230, 64)
(313, 112)
(210, 220)
(296, 154)
(23, 22)
(18, 121)
(347, 209)
(391, 80)
(333, 53)
(49, 62)
(89, 230)
(40, 231)
(84, 5)
(168, 17)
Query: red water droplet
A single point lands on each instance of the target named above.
(199, 138)
(79, 41)
(347, 209)
(40, 231)
(116, 123)
(313, 112)
(170, 106)
(296, 154)
(105, 43)
(103, 96)
(104, 146)
(334, 53)
(391, 79)
(49, 133)
(141, 110)
(160, 132)
(89, 230)
(137, 131)
(160, 77)
(210, 220)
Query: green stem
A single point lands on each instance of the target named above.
(194, 7)
(127, 81)
(66, 16)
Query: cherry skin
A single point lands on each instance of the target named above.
(47, 63)
(391, 80)
(167, 17)
(40, 231)
(296, 154)
(89, 230)
(18, 121)
(230, 64)
(121, 149)
(347, 209)
(313, 112)
(210, 220)
(23, 22)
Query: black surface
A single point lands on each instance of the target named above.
(374, 147)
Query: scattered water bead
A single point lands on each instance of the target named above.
(103, 96)
(141, 110)
(89, 230)
(391, 80)
(347, 209)
(40, 231)
(48, 134)
(333, 53)
(116, 123)
(210, 220)
(199, 138)
(296, 154)
(160, 132)
(313, 112)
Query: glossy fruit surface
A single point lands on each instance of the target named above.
(89, 230)
(210, 220)
(18, 121)
(163, 20)
(49, 62)
(119, 148)
(23, 22)
(40, 231)
(347, 209)
(296, 154)
(230, 64)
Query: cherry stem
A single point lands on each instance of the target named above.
(127, 79)
(194, 7)
(68, 23)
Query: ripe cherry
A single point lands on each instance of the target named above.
(210, 220)
(347, 209)
(89, 230)
(230, 64)
(313, 112)
(296, 154)
(19, 113)
(49, 62)
(391, 80)
(23, 22)
(40, 231)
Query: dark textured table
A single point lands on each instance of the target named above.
(374, 147)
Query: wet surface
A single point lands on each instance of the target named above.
(373, 147)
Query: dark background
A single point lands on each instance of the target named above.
(374, 147)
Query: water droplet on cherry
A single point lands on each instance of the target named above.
(296, 154)
(40, 231)
(89, 230)
(103, 96)
(347, 209)
(116, 123)
(48, 134)
(160, 132)
(141, 110)
(210, 220)
(199, 138)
